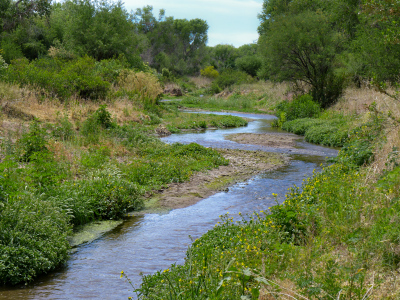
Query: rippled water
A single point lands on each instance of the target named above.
(153, 242)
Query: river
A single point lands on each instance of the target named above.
(145, 244)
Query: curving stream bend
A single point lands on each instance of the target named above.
(143, 245)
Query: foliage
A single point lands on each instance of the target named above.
(14, 13)
(196, 121)
(63, 130)
(33, 239)
(320, 131)
(175, 44)
(209, 72)
(228, 78)
(100, 29)
(304, 47)
(250, 64)
(104, 194)
(60, 78)
(223, 57)
(301, 107)
(33, 141)
(235, 102)
(3, 65)
(144, 86)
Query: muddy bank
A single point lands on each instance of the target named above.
(242, 165)
(269, 140)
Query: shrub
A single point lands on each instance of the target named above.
(301, 107)
(209, 72)
(32, 142)
(229, 77)
(325, 132)
(94, 124)
(105, 194)
(249, 64)
(33, 239)
(64, 129)
(3, 65)
(60, 78)
(144, 85)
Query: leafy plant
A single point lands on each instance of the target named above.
(32, 142)
(209, 72)
(301, 107)
(33, 239)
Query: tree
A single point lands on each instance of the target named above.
(13, 13)
(224, 57)
(99, 29)
(175, 44)
(377, 44)
(304, 47)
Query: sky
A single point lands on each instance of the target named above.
(232, 22)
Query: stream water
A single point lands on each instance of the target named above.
(143, 245)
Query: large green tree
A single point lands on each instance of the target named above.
(176, 44)
(99, 29)
(301, 41)
(15, 12)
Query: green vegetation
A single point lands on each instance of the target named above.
(55, 179)
(301, 107)
(332, 236)
(201, 121)
(322, 46)
(235, 102)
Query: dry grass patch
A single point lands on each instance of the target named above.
(201, 82)
(358, 101)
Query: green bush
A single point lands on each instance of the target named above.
(3, 65)
(209, 72)
(300, 126)
(93, 126)
(250, 64)
(102, 195)
(63, 130)
(229, 77)
(301, 107)
(318, 131)
(60, 78)
(33, 239)
(32, 141)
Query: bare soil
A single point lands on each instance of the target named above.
(242, 166)
(278, 140)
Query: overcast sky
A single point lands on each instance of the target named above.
(232, 22)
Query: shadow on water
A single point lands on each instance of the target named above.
(146, 244)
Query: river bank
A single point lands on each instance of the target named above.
(242, 165)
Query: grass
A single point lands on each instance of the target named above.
(174, 122)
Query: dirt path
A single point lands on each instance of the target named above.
(242, 166)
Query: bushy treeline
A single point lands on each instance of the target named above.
(103, 30)
(328, 44)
